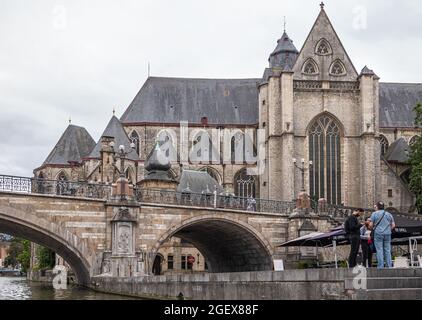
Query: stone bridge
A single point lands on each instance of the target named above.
(120, 238)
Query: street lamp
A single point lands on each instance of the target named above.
(122, 154)
(302, 170)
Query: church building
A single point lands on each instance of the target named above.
(348, 132)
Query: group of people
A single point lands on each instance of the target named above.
(372, 235)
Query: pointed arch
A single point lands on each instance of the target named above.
(202, 150)
(130, 175)
(338, 68)
(134, 138)
(413, 140)
(245, 186)
(310, 67)
(213, 173)
(62, 184)
(323, 48)
(325, 177)
(383, 144)
(167, 140)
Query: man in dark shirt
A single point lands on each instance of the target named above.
(352, 228)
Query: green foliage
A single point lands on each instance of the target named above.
(416, 162)
(19, 253)
(46, 258)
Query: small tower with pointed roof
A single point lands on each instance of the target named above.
(158, 175)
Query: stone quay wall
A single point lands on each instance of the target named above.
(311, 284)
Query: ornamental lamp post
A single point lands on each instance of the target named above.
(302, 170)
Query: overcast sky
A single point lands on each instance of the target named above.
(82, 58)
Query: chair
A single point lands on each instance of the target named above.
(401, 262)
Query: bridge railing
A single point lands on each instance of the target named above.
(54, 187)
(210, 200)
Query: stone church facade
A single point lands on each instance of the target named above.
(351, 130)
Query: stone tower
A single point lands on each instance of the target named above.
(315, 106)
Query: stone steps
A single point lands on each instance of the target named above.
(388, 283)
(390, 294)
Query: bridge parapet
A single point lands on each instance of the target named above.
(213, 200)
(55, 187)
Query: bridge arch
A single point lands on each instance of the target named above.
(71, 248)
(228, 245)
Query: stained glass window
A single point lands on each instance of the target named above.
(324, 152)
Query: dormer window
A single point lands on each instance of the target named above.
(337, 68)
(310, 67)
(323, 48)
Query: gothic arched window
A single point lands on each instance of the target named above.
(134, 138)
(413, 140)
(213, 173)
(166, 142)
(383, 145)
(323, 48)
(310, 67)
(202, 148)
(238, 148)
(245, 186)
(62, 185)
(337, 68)
(324, 152)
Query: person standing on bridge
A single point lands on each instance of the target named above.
(352, 228)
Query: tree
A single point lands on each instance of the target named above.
(19, 253)
(46, 258)
(416, 162)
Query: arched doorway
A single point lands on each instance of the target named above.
(227, 245)
(324, 136)
(157, 266)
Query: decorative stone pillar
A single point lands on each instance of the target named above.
(123, 260)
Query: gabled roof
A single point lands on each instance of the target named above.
(397, 101)
(198, 182)
(115, 129)
(398, 151)
(74, 144)
(323, 29)
(171, 100)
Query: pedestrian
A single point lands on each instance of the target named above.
(352, 228)
(366, 243)
(382, 224)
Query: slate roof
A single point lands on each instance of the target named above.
(74, 144)
(285, 54)
(397, 101)
(398, 151)
(198, 182)
(171, 100)
(115, 129)
(235, 101)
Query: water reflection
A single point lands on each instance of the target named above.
(21, 289)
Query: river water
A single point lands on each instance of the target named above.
(13, 288)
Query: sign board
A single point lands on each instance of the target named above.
(278, 265)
